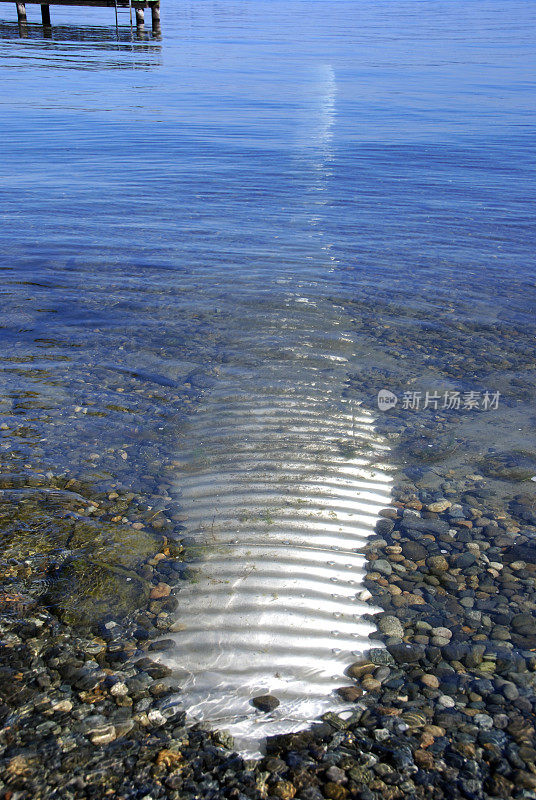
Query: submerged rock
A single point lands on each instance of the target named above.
(391, 626)
(265, 702)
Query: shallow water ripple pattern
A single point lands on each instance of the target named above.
(281, 484)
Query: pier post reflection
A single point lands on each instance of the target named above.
(108, 48)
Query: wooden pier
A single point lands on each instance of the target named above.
(138, 6)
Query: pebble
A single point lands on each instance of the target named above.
(443, 632)
(62, 706)
(119, 689)
(391, 626)
(359, 669)
(265, 702)
(439, 506)
(159, 591)
(414, 551)
(510, 691)
(383, 566)
(484, 721)
(440, 641)
(405, 653)
(431, 681)
(285, 790)
(524, 624)
(104, 735)
(336, 775)
(156, 717)
(424, 759)
(370, 684)
(437, 564)
(350, 693)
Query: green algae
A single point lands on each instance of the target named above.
(89, 567)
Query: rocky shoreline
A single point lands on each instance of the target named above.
(447, 708)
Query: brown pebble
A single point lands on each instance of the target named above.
(501, 786)
(285, 790)
(427, 740)
(423, 759)
(526, 780)
(407, 600)
(370, 684)
(350, 693)
(168, 758)
(358, 670)
(335, 791)
(159, 591)
(431, 681)
(434, 730)
(437, 564)
(388, 513)
(466, 749)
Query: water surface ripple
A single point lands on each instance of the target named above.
(281, 479)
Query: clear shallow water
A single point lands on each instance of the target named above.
(163, 200)
(281, 483)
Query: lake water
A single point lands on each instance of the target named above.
(261, 218)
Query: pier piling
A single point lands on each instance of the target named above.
(21, 13)
(155, 17)
(140, 18)
(45, 16)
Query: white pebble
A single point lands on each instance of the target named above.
(446, 701)
(156, 717)
(119, 689)
(62, 705)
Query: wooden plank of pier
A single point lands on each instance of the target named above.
(138, 5)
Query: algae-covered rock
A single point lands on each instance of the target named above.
(100, 577)
(82, 567)
(516, 467)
